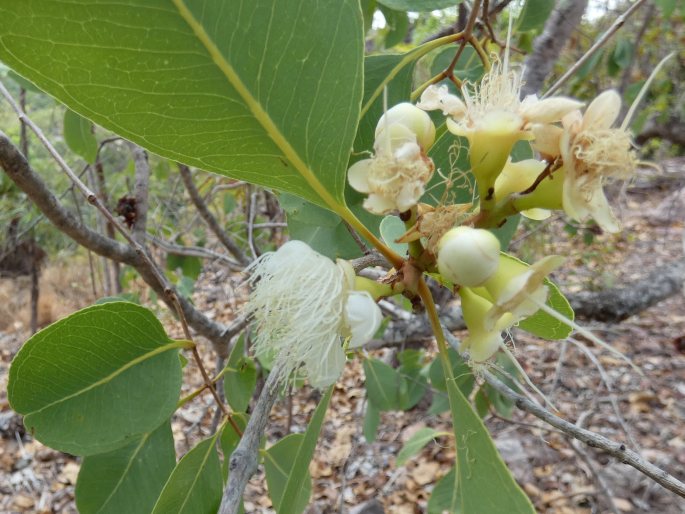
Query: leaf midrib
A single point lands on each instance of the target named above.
(257, 111)
(141, 358)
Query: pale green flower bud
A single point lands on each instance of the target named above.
(411, 117)
(468, 256)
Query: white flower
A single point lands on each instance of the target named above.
(303, 307)
(395, 177)
(591, 150)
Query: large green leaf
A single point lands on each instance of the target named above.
(278, 466)
(444, 496)
(195, 486)
(128, 479)
(95, 380)
(263, 91)
(298, 485)
(482, 482)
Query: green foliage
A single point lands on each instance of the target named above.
(418, 5)
(534, 15)
(195, 486)
(240, 378)
(382, 385)
(415, 443)
(444, 496)
(83, 384)
(392, 228)
(298, 483)
(372, 419)
(278, 465)
(128, 479)
(229, 439)
(397, 26)
(205, 79)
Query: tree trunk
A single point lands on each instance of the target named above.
(548, 45)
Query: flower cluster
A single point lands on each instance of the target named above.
(396, 175)
(304, 306)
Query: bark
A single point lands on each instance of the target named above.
(617, 304)
(548, 45)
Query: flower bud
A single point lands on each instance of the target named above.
(411, 117)
(362, 316)
(468, 256)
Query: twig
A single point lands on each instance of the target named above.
(357, 239)
(373, 258)
(209, 218)
(243, 462)
(592, 439)
(250, 224)
(598, 44)
(144, 259)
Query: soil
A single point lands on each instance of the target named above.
(646, 413)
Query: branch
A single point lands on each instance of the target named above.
(140, 192)
(593, 440)
(209, 218)
(19, 171)
(617, 304)
(548, 45)
(243, 462)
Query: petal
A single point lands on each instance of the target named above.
(549, 110)
(379, 204)
(603, 111)
(362, 316)
(537, 214)
(547, 139)
(358, 175)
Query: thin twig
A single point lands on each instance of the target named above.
(598, 44)
(618, 450)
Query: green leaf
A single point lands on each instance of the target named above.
(372, 419)
(195, 486)
(416, 443)
(262, 91)
(414, 384)
(189, 265)
(128, 479)
(23, 83)
(94, 381)
(667, 7)
(79, 136)
(391, 229)
(229, 439)
(463, 376)
(298, 485)
(450, 155)
(545, 326)
(418, 5)
(321, 229)
(397, 25)
(622, 55)
(240, 380)
(468, 67)
(534, 15)
(444, 496)
(382, 385)
(278, 465)
(482, 482)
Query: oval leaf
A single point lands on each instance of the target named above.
(83, 384)
(128, 479)
(195, 486)
(382, 385)
(264, 91)
(241, 377)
